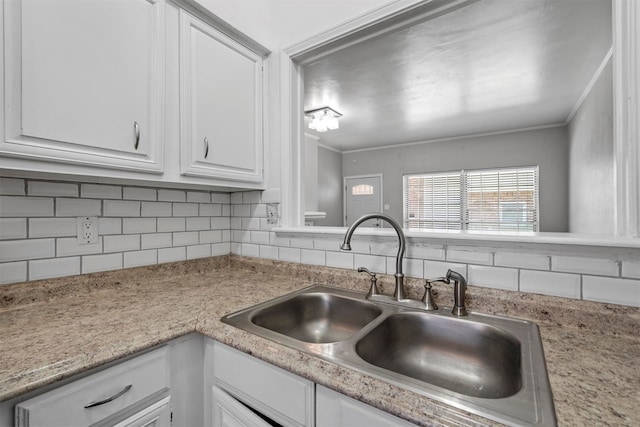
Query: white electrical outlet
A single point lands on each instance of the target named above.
(87, 230)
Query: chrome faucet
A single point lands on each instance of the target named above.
(399, 293)
(459, 290)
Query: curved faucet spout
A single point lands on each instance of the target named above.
(399, 293)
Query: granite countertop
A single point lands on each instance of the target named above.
(53, 329)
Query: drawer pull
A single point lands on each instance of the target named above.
(206, 147)
(136, 133)
(108, 399)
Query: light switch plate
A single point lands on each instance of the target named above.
(272, 213)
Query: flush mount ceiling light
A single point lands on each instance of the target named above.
(323, 119)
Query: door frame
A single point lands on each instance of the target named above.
(344, 193)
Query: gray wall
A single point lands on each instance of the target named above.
(547, 148)
(591, 161)
(330, 187)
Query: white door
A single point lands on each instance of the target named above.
(362, 195)
(221, 104)
(84, 82)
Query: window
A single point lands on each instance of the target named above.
(488, 199)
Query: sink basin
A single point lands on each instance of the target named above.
(488, 365)
(317, 317)
(466, 357)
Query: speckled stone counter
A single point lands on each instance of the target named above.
(54, 329)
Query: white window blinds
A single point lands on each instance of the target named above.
(490, 200)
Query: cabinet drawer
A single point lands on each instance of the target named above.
(128, 383)
(274, 392)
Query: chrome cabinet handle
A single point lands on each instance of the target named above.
(108, 399)
(136, 133)
(206, 147)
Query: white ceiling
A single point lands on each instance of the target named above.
(490, 66)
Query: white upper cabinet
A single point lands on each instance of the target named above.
(221, 104)
(84, 82)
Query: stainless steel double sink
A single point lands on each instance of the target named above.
(488, 365)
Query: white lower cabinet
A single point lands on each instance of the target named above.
(337, 410)
(132, 393)
(278, 396)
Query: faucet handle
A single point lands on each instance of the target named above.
(427, 298)
(373, 290)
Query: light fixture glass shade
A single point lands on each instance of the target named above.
(322, 119)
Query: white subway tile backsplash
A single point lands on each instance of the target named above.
(611, 290)
(185, 209)
(13, 272)
(198, 251)
(226, 210)
(121, 243)
(211, 236)
(435, 269)
(210, 209)
(260, 237)
(329, 245)
(259, 211)
(68, 246)
(241, 236)
(493, 277)
(172, 254)
(223, 198)
(470, 257)
(631, 269)
(157, 209)
(375, 263)
(340, 260)
(289, 254)
(236, 223)
(247, 249)
(18, 207)
(140, 258)
(299, 242)
(156, 240)
(241, 210)
(55, 267)
(171, 224)
(218, 249)
(198, 223)
(236, 198)
(582, 265)
(20, 250)
(172, 195)
(95, 263)
(121, 208)
(136, 193)
(100, 191)
(78, 207)
(138, 225)
(186, 238)
(198, 197)
(269, 252)
(274, 240)
(12, 186)
(13, 228)
(226, 235)
(109, 226)
(312, 257)
(549, 283)
(52, 189)
(249, 197)
(519, 260)
(426, 252)
(250, 223)
(52, 227)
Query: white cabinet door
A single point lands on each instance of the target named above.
(106, 395)
(228, 412)
(221, 86)
(84, 82)
(337, 410)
